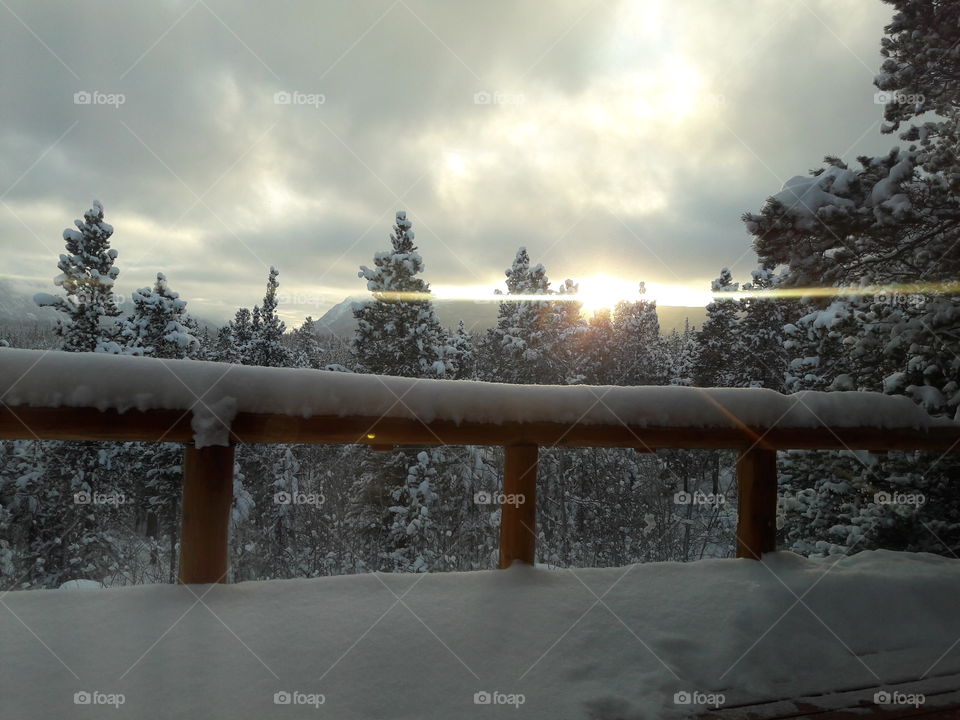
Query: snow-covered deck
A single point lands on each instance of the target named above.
(632, 642)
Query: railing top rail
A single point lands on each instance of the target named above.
(87, 396)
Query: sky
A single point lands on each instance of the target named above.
(618, 140)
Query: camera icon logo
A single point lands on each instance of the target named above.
(82, 498)
(484, 497)
(482, 698)
(282, 498)
(882, 97)
(482, 98)
(282, 697)
(82, 97)
(682, 697)
(82, 697)
(282, 98)
(682, 498)
(881, 697)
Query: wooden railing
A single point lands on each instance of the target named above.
(208, 471)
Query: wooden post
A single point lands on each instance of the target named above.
(205, 524)
(518, 511)
(757, 504)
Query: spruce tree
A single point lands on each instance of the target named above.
(159, 325)
(761, 356)
(267, 329)
(516, 349)
(87, 276)
(717, 339)
(640, 356)
(398, 332)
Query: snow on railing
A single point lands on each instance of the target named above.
(213, 406)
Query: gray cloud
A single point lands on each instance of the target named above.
(627, 137)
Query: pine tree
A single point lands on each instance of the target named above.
(87, 277)
(640, 358)
(599, 351)
(266, 347)
(516, 349)
(462, 355)
(235, 341)
(761, 357)
(305, 348)
(889, 222)
(717, 339)
(564, 331)
(158, 326)
(398, 332)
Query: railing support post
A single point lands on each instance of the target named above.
(205, 523)
(518, 511)
(757, 503)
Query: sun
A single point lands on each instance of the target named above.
(603, 292)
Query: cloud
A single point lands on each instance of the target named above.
(616, 137)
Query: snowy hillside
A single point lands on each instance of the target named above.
(658, 641)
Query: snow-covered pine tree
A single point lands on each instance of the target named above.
(564, 331)
(398, 332)
(235, 339)
(158, 326)
(305, 346)
(761, 358)
(462, 354)
(890, 222)
(267, 329)
(599, 354)
(640, 357)
(717, 340)
(515, 350)
(64, 537)
(87, 276)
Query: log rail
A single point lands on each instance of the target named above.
(208, 471)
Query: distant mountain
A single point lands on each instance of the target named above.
(478, 315)
(17, 307)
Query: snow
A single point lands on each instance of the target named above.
(54, 379)
(82, 585)
(45, 299)
(807, 198)
(423, 646)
